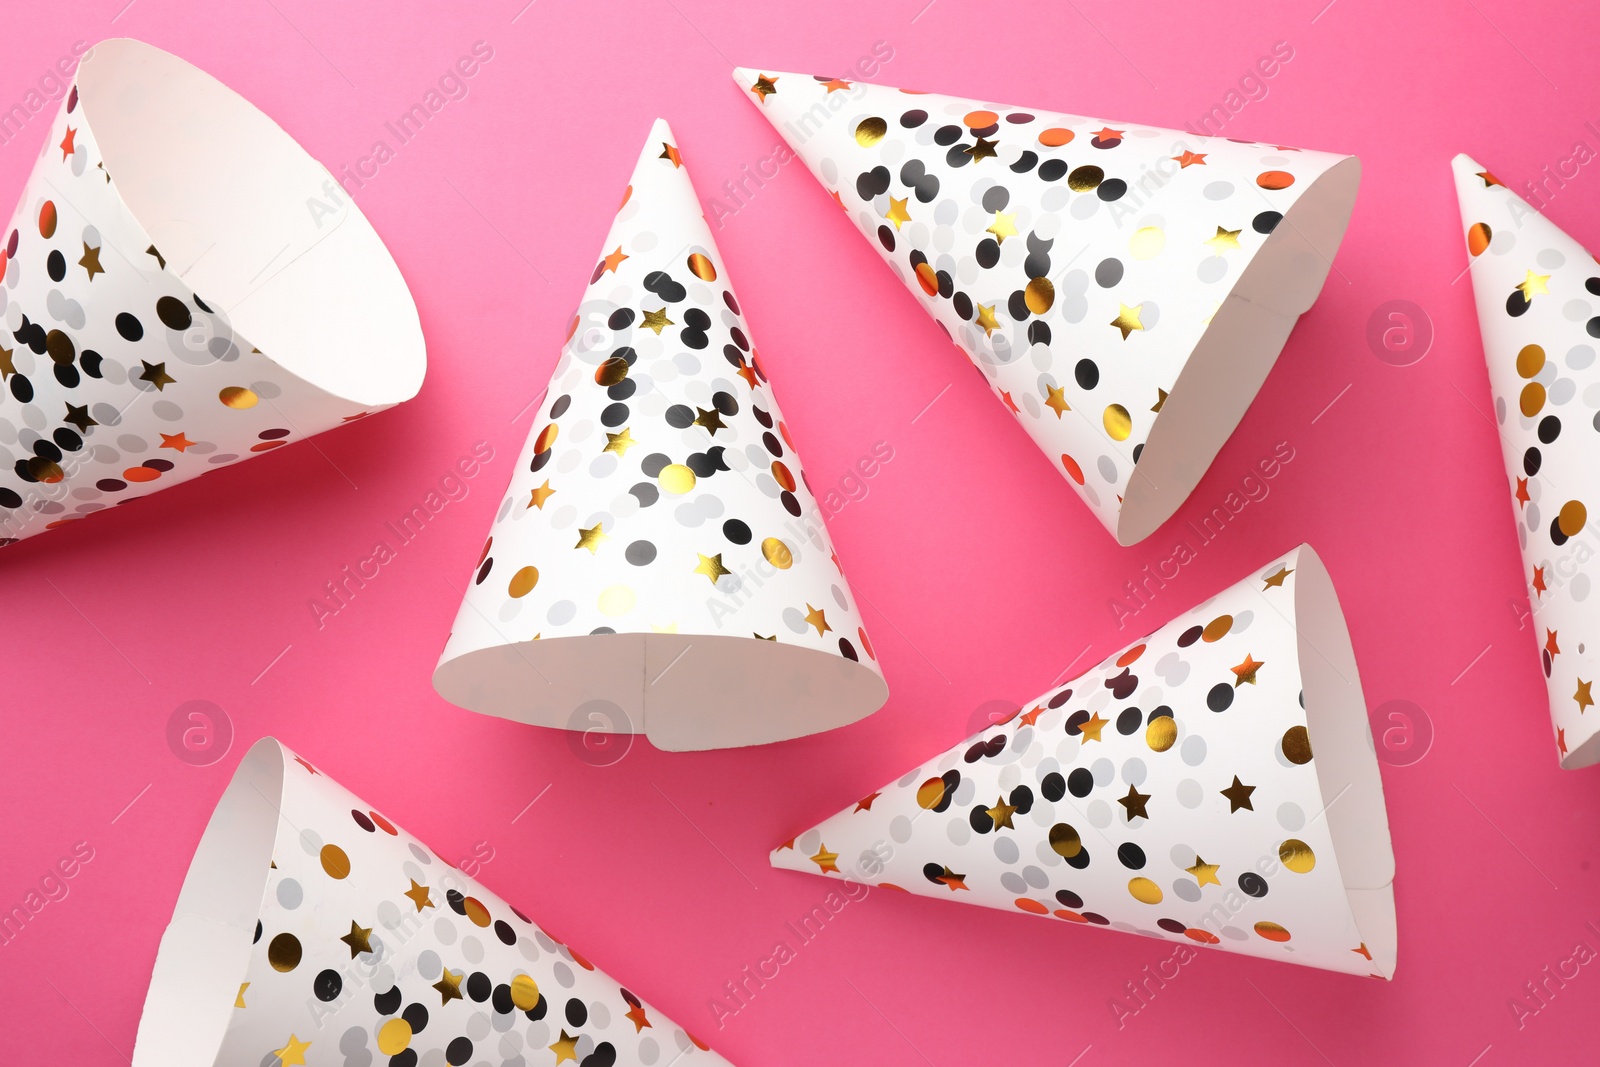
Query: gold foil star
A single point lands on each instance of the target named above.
(1489, 180)
(1134, 803)
(91, 261)
(592, 537)
(671, 152)
(952, 880)
(238, 1001)
(538, 496)
(986, 320)
(1276, 580)
(448, 985)
(419, 895)
(1223, 241)
(637, 1017)
(1161, 399)
(1204, 873)
(79, 417)
(1003, 226)
(1058, 400)
(294, 1053)
(357, 939)
(565, 1048)
(1127, 319)
(1585, 701)
(711, 567)
(1246, 671)
(836, 84)
(1091, 729)
(7, 368)
(819, 618)
(1238, 795)
(764, 87)
(826, 860)
(657, 321)
(982, 150)
(1001, 814)
(897, 212)
(1534, 285)
(711, 419)
(156, 374)
(614, 260)
(620, 442)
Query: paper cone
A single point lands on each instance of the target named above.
(1164, 269)
(659, 565)
(1538, 296)
(1170, 792)
(183, 288)
(311, 930)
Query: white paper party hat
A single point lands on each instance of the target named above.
(1213, 784)
(1538, 295)
(313, 931)
(1098, 274)
(659, 564)
(184, 287)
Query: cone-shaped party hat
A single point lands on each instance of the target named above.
(1123, 289)
(311, 930)
(1171, 791)
(184, 287)
(1538, 295)
(659, 565)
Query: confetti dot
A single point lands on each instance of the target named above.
(1296, 745)
(777, 553)
(1297, 856)
(676, 478)
(283, 952)
(394, 1037)
(1271, 931)
(870, 131)
(1275, 179)
(523, 581)
(1119, 425)
(334, 861)
(238, 397)
(1144, 891)
(1055, 137)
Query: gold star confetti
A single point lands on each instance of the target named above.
(68, 144)
(448, 985)
(764, 87)
(1189, 159)
(637, 1017)
(1127, 319)
(983, 150)
(865, 803)
(419, 895)
(565, 1048)
(671, 152)
(710, 419)
(614, 260)
(620, 442)
(1534, 285)
(1161, 400)
(238, 1001)
(1134, 802)
(826, 860)
(1204, 873)
(7, 368)
(156, 374)
(1238, 795)
(1275, 581)
(1223, 241)
(657, 321)
(592, 537)
(986, 320)
(1003, 226)
(1058, 400)
(1585, 701)
(1489, 180)
(91, 261)
(819, 618)
(357, 939)
(294, 1053)
(1091, 729)
(1246, 671)
(897, 212)
(711, 567)
(540, 495)
(1001, 814)
(79, 417)
(834, 85)
(952, 880)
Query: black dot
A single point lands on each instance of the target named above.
(1129, 721)
(980, 820)
(1266, 222)
(503, 931)
(417, 1016)
(1593, 326)
(1252, 884)
(503, 1004)
(458, 1051)
(947, 135)
(736, 531)
(654, 463)
(1171, 926)
(1220, 698)
(21, 388)
(995, 198)
(327, 985)
(640, 554)
(56, 264)
(1068, 899)
(68, 440)
(1079, 862)
(680, 416)
(1059, 699)
(559, 408)
(10, 499)
(1080, 782)
(914, 118)
(1025, 162)
(19, 501)
(479, 986)
(1052, 170)
(620, 319)
(387, 1003)
(404, 1058)
(1108, 272)
(614, 415)
(1131, 856)
(988, 252)
(457, 901)
(623, 389)
(1054, 787)
(129, 327)
(1517, 304)
(1190, 636)
(577, 1012)
(886, 238)
(66, 374)
(1086, 373)
(1549, 429)
(1531, 460)
(173, 313)
(1111, 189)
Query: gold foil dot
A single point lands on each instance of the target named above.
(1147, 242)
(1297, 856)
(546, 438)
(617, 600)
(612, 371)
(1217, 628)
(1478, 237)
(1161, 733)
(238, 397)
(928, 278)
(777, 553)
(929, 793)
(1064, 840)
(1118, 423)
(1297, 745)
(394, 1037)
(523, 581)
(1039, 295)
(870, 131)
(335, 862)
(1144, 890)
(675, 478)
(1532, 399)
(46, 470)
(476, 911)
(524, 992)
(701, 267)
(1530, 360)
(1572, 518)
(1272, 931)
(1084, 178)
(283, 952)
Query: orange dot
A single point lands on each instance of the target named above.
(59, 522)
(865, 644)
(267, 446)
(140, 474)
(1025, 903)
(1478, 237)
(546, 438)
(1073, 470)
(1217, 628)
(927, 278)
(571, 329)
(1275, 179)
(978, 120)
(1070, 916)
(783, 431)
(1205, 937)
(1272, 931)
(930, 793)
(334, 861)
(1129, 656)
(47, 219)
(700, 266)
(476, 911)
(781, 473)
(1055, 137)
(384, 824)
(627, 194)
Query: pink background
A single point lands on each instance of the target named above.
(985, 575)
